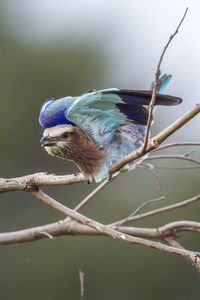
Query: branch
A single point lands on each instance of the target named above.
(64, 227)
(158, 211)
(176, 145)
(180, 156)
(96, 228)
(126, 220)
(174, 227)
(33, 181)
(157, 140)
(155, 86)
(92, 194)
(108, 230)
(177, 168)
(124, 234)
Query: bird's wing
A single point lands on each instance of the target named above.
(52, 112)
(99, 113)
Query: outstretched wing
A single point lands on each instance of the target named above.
(99, 113)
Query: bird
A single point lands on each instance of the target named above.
(99, 127)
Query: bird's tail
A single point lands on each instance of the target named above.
(163, 82)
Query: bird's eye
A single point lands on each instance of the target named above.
(65, 134)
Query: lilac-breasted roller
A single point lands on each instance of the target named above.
(99, 127)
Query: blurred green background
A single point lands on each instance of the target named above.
(58, 48)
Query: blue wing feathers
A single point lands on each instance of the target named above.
(144, 97)
(99, 113)
(53, 112)
(137, 113)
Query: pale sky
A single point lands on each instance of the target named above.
(130, 33)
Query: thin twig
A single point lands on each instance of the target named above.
(179, 156)
(126, 220)
(81, 277)
(160, 210)
(145, 204)
(155, 86)
(93, 193)
(182, 144)
(176, 168)
(96, 191)
(150, 168)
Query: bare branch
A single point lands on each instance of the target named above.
(126, 220)
(96, 191)
(92, 194)
(33, 181)
(177, 168)
(174, 227)
(160, 210)
(182, 144)
(155, 86)
(64, 227)
(107, 230)
(180, 156)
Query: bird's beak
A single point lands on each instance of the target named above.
(48, 141)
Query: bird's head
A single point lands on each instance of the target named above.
(59, 140)
(70, 142)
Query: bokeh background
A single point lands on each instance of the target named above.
(58, 48)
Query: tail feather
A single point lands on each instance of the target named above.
(135, 103)
(163, 82)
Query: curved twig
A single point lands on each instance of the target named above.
(159, 210)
